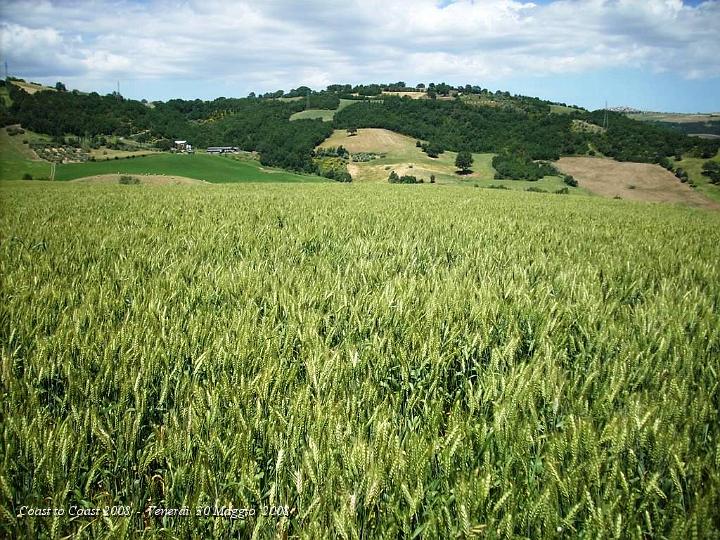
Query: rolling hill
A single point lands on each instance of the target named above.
(214, 169)
(399, 153)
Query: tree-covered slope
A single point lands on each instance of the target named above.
(542, 134)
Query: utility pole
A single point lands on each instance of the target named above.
(6, 71)
(606, 122)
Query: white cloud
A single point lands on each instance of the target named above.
(279, 44)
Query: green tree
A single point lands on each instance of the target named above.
(464, 161)
(711, 169)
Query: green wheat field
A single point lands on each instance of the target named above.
(380, 361)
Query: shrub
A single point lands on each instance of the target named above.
(433, 150)
(562, 191)
(517, 165)
(405, 179)
(711, 169)
(27, 176)
(570, 180)
(432, 178)
(129, 180)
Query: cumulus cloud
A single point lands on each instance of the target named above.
(277, 44)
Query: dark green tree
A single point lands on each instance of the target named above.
(464, 161)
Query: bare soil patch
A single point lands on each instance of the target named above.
(147, 179)
(632, 181)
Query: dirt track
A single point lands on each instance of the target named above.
(632, 181)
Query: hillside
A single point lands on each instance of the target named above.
(632, 181)
(697, 125)
(285, 128)
(399, 153)
(326, 115)
(201, 167)
(17, 159)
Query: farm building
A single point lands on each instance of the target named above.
(222, 149)
(184, 146)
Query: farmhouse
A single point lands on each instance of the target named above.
(184, 146)
(222, 149)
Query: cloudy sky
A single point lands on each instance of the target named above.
(650, 54)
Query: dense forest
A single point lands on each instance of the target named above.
(470, 118)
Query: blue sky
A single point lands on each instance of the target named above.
(649, 54)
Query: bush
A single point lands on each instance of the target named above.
(534, 189)
(405, 179)
(517, 165)
(432, 178)
(562, 191)
(570, 181)
(129, 180)
(711, 169)
(682, 175)
(433, 150)
(27, 176)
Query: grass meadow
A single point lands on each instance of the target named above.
(216, 169)
(17, 159)
(385, 361)
(326, 115)
(693, 166)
